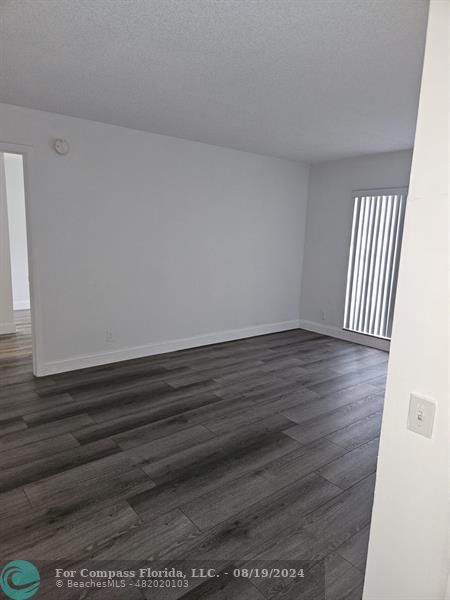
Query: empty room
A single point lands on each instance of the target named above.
(224, 299)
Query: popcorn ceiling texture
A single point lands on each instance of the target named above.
(302, 79)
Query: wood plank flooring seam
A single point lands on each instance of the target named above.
(24, 447)
(180, 508)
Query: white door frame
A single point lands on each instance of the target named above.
(27, 152)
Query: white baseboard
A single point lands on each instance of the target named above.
(21, 305)
(103, 358)
(6, 328)
(343, 334)
(447, 591)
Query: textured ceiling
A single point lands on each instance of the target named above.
(303, 79)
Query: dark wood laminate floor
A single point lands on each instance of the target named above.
(259, 449)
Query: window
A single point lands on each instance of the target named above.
(378, 218)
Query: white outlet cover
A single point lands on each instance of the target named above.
(421, 415)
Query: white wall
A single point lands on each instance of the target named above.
(328, 232)
(17, 231)
(409, 542)
(6, 304)
(153, 239)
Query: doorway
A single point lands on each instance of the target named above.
(15, 304)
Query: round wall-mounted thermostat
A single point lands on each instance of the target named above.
(61, 146)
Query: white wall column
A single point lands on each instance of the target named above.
(409, 541)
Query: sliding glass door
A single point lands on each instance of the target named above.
(377, 230)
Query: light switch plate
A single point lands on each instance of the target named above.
(421, 415)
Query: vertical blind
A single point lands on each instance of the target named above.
(378, 218)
